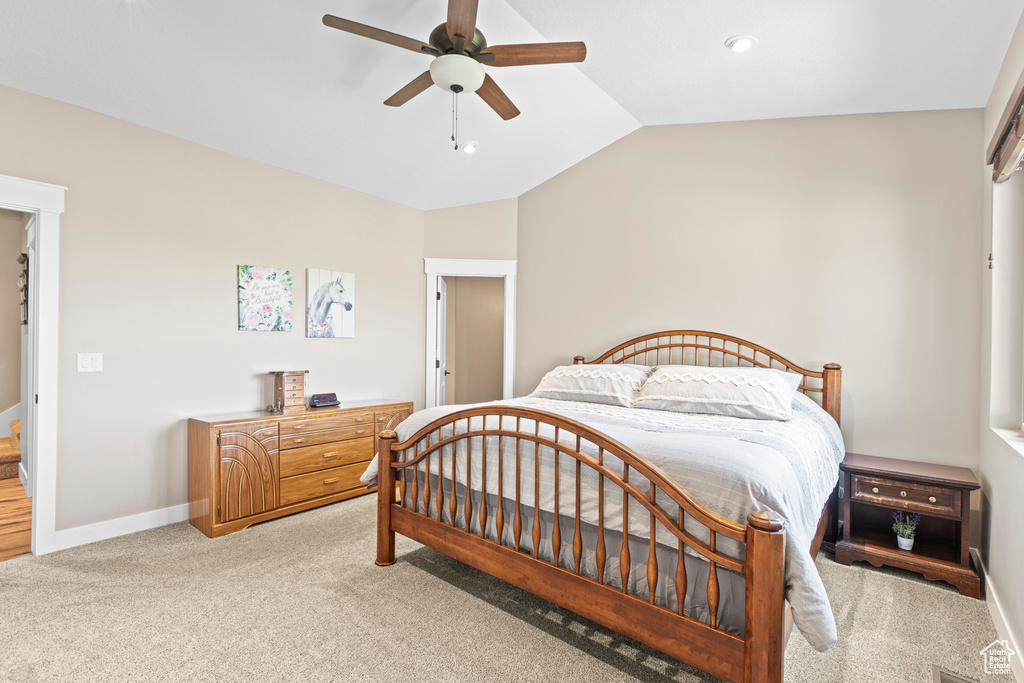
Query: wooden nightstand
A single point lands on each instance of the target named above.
(874, 487)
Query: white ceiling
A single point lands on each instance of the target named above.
(266, 80)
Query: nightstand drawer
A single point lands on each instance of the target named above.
(314, 438)
(312, 458)
(932, 500)
(322, 483)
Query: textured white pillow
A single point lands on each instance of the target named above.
(613, 384)
(756, 393)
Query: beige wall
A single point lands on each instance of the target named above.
(150, 241)
(477, 231)
(1001, 460)
(12, 236)
(851, 239)
(475, 339)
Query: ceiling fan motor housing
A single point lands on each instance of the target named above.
(440, 40)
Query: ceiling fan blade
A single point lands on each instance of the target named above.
(535, 53)
(461, 21)
(496, 99)
(378, 34)
(414, 88)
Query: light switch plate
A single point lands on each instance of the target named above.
(90, 362)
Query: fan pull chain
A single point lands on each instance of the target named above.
(455, 116)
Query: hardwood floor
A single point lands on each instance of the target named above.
(15, 519)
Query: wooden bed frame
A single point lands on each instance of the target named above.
(756, 657)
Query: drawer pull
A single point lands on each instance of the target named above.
(330, 455)
(903, 494)
(360, 431)
(931, 499)
(331, 481)
(297, 440)
(296, 427)
(874, 490)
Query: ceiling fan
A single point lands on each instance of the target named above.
(460, 51)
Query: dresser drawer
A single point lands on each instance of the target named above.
(323, 483)
(344, 419)
(933, 500)
(381, 419)
(335, 454)
(326, 436)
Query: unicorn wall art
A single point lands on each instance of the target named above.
(331, 298)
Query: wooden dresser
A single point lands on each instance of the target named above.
(251, 467)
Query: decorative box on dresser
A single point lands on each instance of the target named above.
(874, 487)
(252, 467)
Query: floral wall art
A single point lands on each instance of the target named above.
(264, 299)
(331, 303)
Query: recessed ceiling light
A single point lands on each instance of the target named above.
(741, 43)
(469, 147)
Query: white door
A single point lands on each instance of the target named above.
(28, 365)
(442, 333)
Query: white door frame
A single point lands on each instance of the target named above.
(436, 268)
(46, 204)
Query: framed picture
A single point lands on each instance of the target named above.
(331, 296)
(264, 299)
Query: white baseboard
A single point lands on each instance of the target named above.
(23, 475)
(100, 531)
(1003, 629)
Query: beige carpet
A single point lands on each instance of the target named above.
(299, 599)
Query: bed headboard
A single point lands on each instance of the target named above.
(710, 349)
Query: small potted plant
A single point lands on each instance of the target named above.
(905, 527)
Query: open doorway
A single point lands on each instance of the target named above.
(15, 505)
(439, 272)
(473, 344)
(44, 204)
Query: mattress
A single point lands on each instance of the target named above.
(733, 466)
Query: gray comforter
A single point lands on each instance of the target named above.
(732, 466)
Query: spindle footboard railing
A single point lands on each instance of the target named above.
(494, 486)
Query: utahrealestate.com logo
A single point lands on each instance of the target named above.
(997, 657)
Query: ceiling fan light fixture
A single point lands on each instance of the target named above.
(457, 73)
(741, 43)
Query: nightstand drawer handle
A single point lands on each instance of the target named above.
(297, 440)
(360, 431)
(931, 499)
(903, 494)
(874, 490)
(331, 481)
(330, 455)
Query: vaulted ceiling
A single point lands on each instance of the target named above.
(267, 80)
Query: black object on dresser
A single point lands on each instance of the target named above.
(874, 487)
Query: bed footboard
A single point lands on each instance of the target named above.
(509, 445)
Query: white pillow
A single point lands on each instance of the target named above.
(613, 384)
(755, 393)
